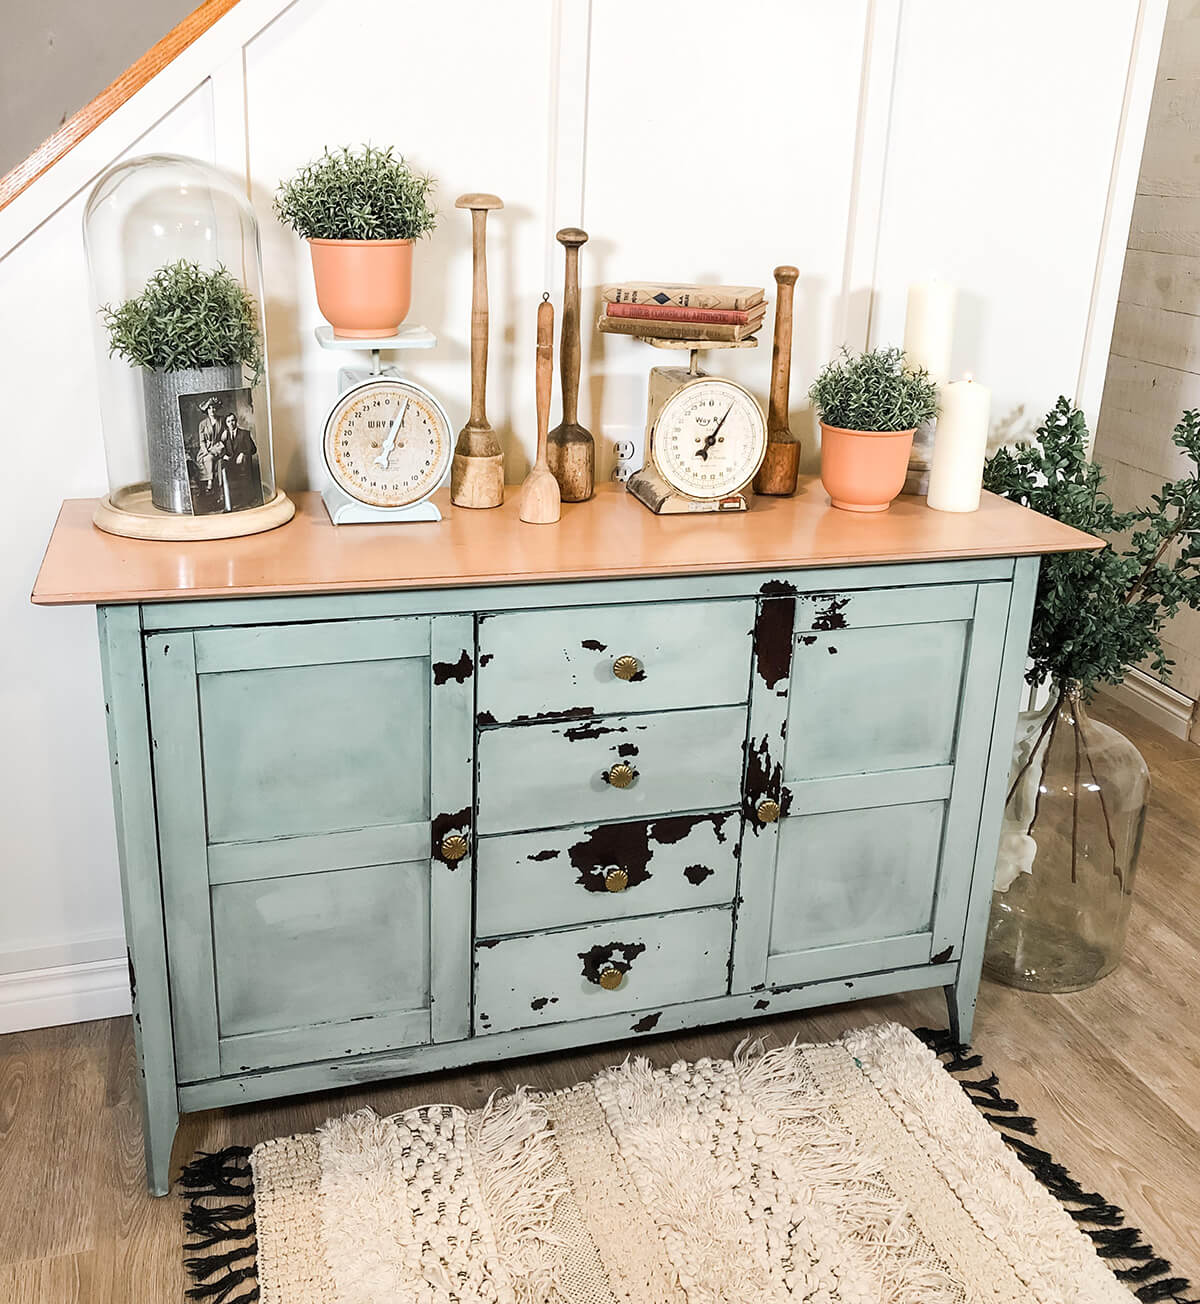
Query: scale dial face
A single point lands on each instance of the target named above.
(710, 438)
(387, 442)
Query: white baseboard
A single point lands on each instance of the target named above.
(69, 993)
(1165, 706)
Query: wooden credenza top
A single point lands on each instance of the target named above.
(613, 536)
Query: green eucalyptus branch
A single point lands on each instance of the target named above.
(1098, 613)
(357, 194)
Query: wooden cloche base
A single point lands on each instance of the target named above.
(129, 512)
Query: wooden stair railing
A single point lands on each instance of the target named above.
(81, 124)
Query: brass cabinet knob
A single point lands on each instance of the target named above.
(611, 978)
(616, 879)
(454, 847)
(768, 811)
(626, 668)
(622, 774)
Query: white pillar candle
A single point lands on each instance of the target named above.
(959, 447)
(929, 327)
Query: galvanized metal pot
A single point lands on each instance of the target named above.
(170, 490)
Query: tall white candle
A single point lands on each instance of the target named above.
(929, 327)
(959, 447)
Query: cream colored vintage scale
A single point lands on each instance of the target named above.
(387, 440)
(705, 438)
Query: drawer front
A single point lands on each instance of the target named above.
(528, 881)
(536, 776)
(523, 982)
(536, 664)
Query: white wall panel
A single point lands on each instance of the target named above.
(58, 863)
(1004, 125)
(717, 148)
(461, 88)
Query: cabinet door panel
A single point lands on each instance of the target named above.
(301, 811)
(320, 947)
(855, 875)
(875, 755)
(894, 699)
(315, 748)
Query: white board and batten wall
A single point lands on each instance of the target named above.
(870, 142)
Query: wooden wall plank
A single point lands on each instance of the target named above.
(1142, 404)
(1165, 224)
(1157, 335)
(1155, 280)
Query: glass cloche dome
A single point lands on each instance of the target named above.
(176, 276)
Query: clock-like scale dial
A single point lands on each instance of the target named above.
(709, 439)
(387, 442)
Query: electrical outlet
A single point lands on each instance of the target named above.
(629, 456)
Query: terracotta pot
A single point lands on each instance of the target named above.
(863, 470)
(364, 287)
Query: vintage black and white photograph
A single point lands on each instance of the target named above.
(222, 455)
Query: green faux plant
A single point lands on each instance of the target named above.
(187, 316)
(1097, 613)
(357, 194)
(876, 391)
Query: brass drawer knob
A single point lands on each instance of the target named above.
(611, 978)
(621, 775)
(768, 811)
(616, 880)
(454, 847)
(627, 668)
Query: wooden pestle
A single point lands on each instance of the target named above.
(777, 475)
(477, 472)
(539, 494)
(571, 450)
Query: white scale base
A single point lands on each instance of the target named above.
(342, 509)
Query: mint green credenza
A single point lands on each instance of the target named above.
(366, 834)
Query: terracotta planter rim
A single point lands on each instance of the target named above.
(869, 434)
(316, 241)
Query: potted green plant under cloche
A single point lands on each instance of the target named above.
(360, 211)
(192, 329)
(1078, 788)
(869, 405)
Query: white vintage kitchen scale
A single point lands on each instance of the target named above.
(387, 440)
(705, 436)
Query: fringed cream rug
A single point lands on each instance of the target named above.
(858, 1172)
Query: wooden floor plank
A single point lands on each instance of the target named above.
(1112, 1075)
(51, 1094)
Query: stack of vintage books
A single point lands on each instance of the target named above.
(657, 310)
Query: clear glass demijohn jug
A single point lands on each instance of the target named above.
(1068, 850)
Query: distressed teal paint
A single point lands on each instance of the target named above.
(122, 667)
(998, 732)
(543, 775)
(528, 881)
(526, 981)
(566, 656)
(286, 769)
